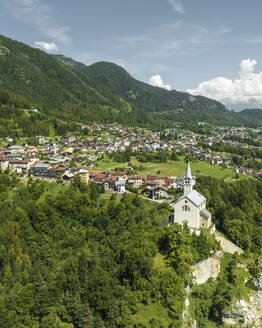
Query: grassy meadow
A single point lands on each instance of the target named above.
(172, 168)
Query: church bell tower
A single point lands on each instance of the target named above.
(188, 181)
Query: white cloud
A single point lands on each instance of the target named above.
(157, 81)
(177, 6)
(40, 16)
(247, 68)
(46, 46)
(247, 86)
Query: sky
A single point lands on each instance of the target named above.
(206, 47)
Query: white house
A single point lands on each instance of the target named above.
(191, 209)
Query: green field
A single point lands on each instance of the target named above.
(173, 168)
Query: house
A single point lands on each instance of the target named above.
(18, 166)
(121, 148)
(39, 169)
(147, 191)
(40, 139)
(160, 193)
(191, 209)
(14, 156)
(151, 184)
(110, 183)
(4, 163)
(121, 188)
(31, 150)
(8, 139)
(98, 178)
(34, 110)
(55, 172)
(67, 176)
(84, 175)
(135, 181)
(16, 149)
(68, 150)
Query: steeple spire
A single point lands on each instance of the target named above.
(188, 171)
(188, 180)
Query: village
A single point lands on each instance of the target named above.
(60, 159)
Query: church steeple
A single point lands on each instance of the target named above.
(188, 171)
(188, 180)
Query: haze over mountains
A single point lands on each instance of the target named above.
(238, 106)
(237, 94)
(102, 92)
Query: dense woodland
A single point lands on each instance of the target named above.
(70, 258)
(104, 92)
(236, 209)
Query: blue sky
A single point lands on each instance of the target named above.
(195, 45)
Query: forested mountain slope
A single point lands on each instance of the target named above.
(103, 92)
(169, 106)
(53, 87)
(252, 115)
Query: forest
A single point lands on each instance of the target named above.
(103, 92)
(70, 258)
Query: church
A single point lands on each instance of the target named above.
(191, 209)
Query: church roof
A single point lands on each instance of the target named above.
(188, 171)
(195, 197)
(205, 213)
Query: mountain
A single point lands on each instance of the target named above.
(66, 90)
(251, 115)
(44, 82)
(238, 106)
(164, 104)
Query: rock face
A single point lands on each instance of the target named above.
(246, 314)
(257, 281)
(206, 269)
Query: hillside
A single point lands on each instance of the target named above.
(252, 114)
(53, 87)
(168, 105)
(71, 258)
(103, 92)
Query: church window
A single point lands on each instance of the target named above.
(186, 208)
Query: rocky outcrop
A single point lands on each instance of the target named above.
(245, 314)
(257, 281)
(206, 269)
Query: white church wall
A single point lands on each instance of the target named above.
(192, 216)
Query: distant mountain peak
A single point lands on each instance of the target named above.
(237, 106)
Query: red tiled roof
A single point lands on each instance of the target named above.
(18, 162)
(135, 176)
